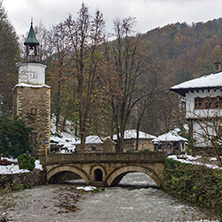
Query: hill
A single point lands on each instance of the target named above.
(189, 51)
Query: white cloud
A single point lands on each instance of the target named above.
(149, 13)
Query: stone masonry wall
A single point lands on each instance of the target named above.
(144, 144)
(33, 106)
(22, 180)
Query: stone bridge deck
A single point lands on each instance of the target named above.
(105, 169)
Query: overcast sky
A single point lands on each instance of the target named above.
(150, 14)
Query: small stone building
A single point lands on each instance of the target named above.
(94, 144)
(144, 143)
(32, 96)
(170, 142)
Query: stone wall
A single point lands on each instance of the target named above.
(144, 144)
(22, 180)
(32, 104)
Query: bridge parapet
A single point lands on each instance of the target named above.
(147, 157)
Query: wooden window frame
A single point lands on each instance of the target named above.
(208, 102)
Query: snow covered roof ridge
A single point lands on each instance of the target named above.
(132, 134)
(31, 86)
(213, 80)
(171, 136)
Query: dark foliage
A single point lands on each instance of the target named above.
(14, 137)
(9, 55)
(26, 162)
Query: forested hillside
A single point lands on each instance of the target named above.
(189, 51)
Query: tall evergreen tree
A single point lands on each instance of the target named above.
(9, 55)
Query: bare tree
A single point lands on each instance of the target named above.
(125, 64)
(85, 36)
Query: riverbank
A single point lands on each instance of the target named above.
(199, 185)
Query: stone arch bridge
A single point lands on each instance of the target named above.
(105, 169)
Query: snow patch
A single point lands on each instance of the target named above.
(66, 139)
(13, 169)
(87, 188)
(190, 160)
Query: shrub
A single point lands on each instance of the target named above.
(14, 137)
(26, 162)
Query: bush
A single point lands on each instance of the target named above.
(26, 162)
(14, 137)
(198, 185)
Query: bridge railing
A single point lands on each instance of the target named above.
(140, 157)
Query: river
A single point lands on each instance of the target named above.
(135, 200)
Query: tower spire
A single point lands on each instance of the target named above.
(31, 44)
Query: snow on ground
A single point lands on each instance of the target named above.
(193, 160)
(13, 169)
(67, 139)
(87, 188)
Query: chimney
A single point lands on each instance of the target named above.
(217, 67)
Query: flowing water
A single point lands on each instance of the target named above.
(135, 200)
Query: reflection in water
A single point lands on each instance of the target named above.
(136, 199)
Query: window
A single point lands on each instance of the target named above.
(93, 148)
(208, 103)
(33, 112)
(33, 137)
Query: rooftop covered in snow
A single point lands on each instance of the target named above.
(92, 139)
(171, 136)
(211, 81)
(132, 134)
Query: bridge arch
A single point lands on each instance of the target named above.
(75, 170)
(98, 168)
(115, 177)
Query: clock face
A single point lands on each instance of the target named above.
(29, 75)
(33, 75)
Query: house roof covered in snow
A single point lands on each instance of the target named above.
(205, 82)
(171, 136)
(131, 134)
(92, 139)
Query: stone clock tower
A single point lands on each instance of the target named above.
(32, 95)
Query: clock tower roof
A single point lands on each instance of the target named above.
(31, 39)
(31, 43)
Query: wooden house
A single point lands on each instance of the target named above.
(203, 99)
